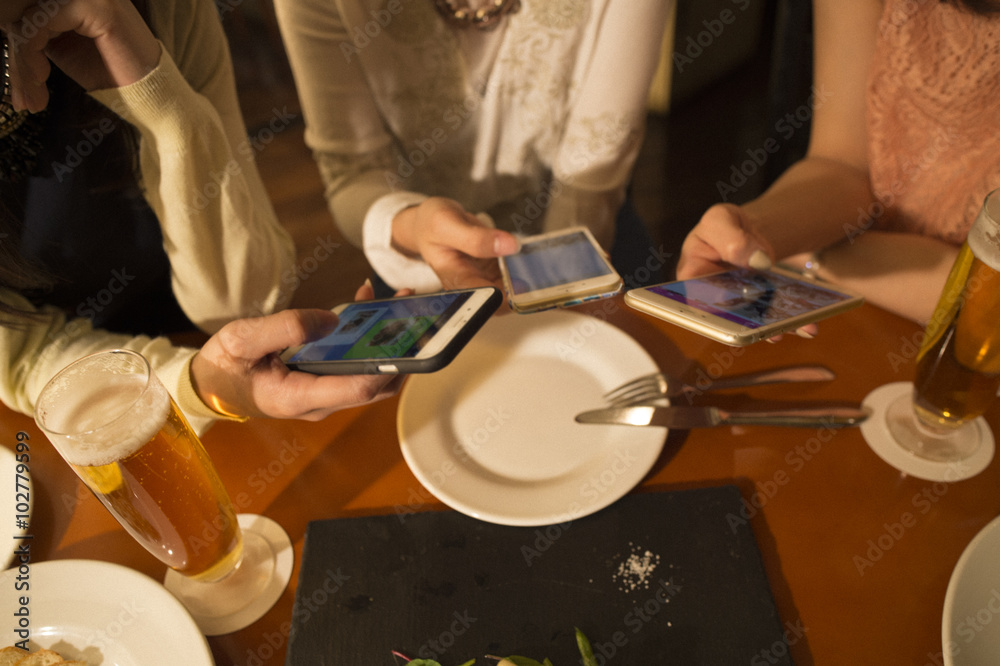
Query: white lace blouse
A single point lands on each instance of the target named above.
(536, 123)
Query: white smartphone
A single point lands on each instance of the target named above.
(558, 269)
(742, 306)
(407, 334)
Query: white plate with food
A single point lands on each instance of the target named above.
(15, 507)
(100, 613)
(493, 434)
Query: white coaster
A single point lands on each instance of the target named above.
(876, 432)
(281, 546)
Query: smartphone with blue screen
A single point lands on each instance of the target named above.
(558, 269)
(410, 334)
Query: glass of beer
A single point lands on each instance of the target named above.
(958, 364)
(114, 422)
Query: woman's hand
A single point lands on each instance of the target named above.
(460, 249)
(238, 371)
(724, 237)
(98, 43)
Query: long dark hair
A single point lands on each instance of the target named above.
(82, 112)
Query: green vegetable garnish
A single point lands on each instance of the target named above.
(581, 642)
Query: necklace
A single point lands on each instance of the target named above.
(484, 18)
(19, 131)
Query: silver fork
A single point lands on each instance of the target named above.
(659, 385)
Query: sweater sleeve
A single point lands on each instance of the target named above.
(604, 130)
(343, 125)
(227, 251)
(35, 349)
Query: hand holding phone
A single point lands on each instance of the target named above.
(406, 334)
(558, 269)
(744, 305)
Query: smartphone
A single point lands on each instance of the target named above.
(558, 269)
(742, 306)
(407, 334)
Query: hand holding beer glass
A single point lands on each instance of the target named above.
(113, 421)
(958, 365)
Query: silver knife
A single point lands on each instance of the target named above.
(683, 417)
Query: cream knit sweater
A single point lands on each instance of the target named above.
(226, 248)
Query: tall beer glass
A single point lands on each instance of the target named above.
(112, 420)
(958, 365)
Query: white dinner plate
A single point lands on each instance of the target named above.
(493, 434)
(15, 495)
(102, 613)
(970, 627)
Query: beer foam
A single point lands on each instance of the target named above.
(984, 241)
(109, 421)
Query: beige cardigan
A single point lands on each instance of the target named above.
(227, 251)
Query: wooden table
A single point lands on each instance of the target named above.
(858, 555)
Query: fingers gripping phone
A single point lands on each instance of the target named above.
(558, 269)
(743, 305)
(410, 334)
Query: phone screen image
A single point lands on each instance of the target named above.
(396, 328)
(750, 298)
(554, 261)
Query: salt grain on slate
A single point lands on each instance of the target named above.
(635, 572)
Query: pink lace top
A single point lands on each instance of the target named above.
(934, 117)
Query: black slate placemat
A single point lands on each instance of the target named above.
(656, 578)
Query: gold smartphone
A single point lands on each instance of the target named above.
(558, 269)
(743, 305)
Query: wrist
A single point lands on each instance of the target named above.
(402, 238)
(201, 373)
